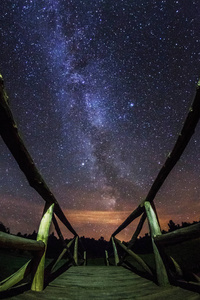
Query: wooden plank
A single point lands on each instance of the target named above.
(13, 140)
(15, 242)
(154, 227)
(43, 233)
(101, 282)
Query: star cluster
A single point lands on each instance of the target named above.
(100, 90)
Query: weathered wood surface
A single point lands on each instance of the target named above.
(15, 242)
(137, 231)
(43, 234)
(179, 235)
(76, 251)
(154, 227)
(16, 277)
(116, 256)
(106, 258)
(101, 282)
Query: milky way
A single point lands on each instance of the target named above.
(100, 90)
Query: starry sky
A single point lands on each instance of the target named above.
(100, 90)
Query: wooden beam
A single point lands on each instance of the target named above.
(135, 214)
(15, 242)
(16, 277)
(179, 235)
(137, 232)
(134, 237)
(43, 233)
(180, 145)
(116, 256)
(135, 256)
(176, 266)
(13, 140)
(154, 227)
(64, 251)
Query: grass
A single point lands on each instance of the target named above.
(10, 262)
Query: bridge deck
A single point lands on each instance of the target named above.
(101, 282)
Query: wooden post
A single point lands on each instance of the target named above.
(107, 260)
(85, 258)
(76, 251)
(154, 227)
(43, 233)
(115, 252)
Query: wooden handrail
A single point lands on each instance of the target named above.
(179, 235)
(15, 242)
(13, 140)
(180, 145)
(135, 214)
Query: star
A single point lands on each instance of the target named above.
(100, 90)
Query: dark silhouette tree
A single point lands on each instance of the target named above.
(3, 228)
(172, 226)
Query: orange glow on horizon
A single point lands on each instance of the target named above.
(88, 223)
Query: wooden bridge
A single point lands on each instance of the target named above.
(112, 281)
(101, 282)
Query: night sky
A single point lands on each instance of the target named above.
(100, 90)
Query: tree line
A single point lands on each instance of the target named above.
(96, 248)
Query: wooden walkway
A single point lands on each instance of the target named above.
(101, 282)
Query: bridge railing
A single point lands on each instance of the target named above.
(147, 210)
(13, 140)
